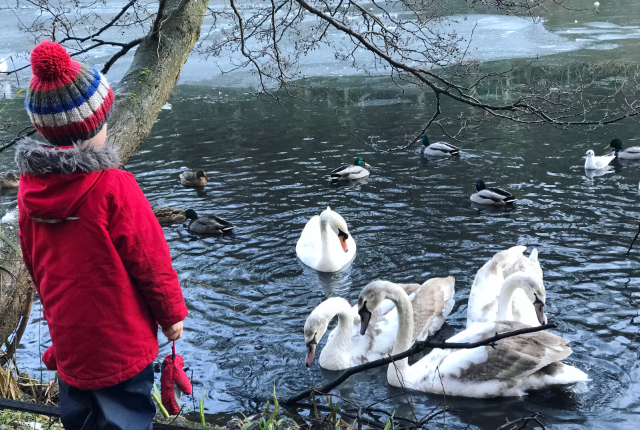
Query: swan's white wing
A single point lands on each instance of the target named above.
(521, 307)
(509, 367)
(432, 304)
(483, 297)
(516, 357)
(309, 246)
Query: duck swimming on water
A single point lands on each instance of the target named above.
(438, 149)
(349, 172)
(631, 153)
(207, 224)
(194, 179)
(491, 196)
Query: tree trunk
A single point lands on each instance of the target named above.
(144, 89)
(16, 290)
(155, 70)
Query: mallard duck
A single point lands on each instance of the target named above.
(632, 153)
(438, 149)
(358, 170)
(169, 215)
(207, 224)
(592, 162)
(194, 179)
(491, 196)
(9, 180)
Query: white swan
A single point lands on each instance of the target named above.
(510, 367)
(592, 162)
(431, 303)
(488, 288)
(325, 243)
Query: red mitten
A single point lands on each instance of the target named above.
(49, 358)
(173, 382)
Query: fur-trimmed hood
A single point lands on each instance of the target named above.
(37, 158)
(55, 182)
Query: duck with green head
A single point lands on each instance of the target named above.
(350, 172)
(438, 149)
(207, 224)
(632, 153)
(491, 195)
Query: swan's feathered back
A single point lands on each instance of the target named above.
(432, 304)
(529, 265)
(483, 304)
(508, 368)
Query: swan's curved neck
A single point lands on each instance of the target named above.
(339, 345)
(399, 297)
(325, 231)
(509, 286)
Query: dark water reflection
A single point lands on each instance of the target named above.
(412, 220)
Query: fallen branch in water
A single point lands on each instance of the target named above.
(633, 241)
(512, 425)
(416, 348)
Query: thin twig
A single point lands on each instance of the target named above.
(634, 239)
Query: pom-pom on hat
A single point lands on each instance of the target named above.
(67, 101)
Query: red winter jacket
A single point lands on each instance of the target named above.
(99, 260)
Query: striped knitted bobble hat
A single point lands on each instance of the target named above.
(67, 101)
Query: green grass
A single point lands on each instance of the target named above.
(24, 421)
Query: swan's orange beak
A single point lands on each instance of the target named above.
(343, 242)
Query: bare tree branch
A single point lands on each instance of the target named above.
(416, 348)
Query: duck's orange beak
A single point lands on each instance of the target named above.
(343, 242)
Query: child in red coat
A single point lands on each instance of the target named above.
(94, 250)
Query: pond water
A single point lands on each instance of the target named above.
(248, 295)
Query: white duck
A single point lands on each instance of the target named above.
(325, 243)
(510, 367)
(592, 162)
(631, 153)
(431, 303)
(488, 288)
(491, 196)
(438, 149)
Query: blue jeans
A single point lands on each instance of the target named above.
(126, 406)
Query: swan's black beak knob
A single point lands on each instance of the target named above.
(311, 351)
(365, 317)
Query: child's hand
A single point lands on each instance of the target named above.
(173, 332)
